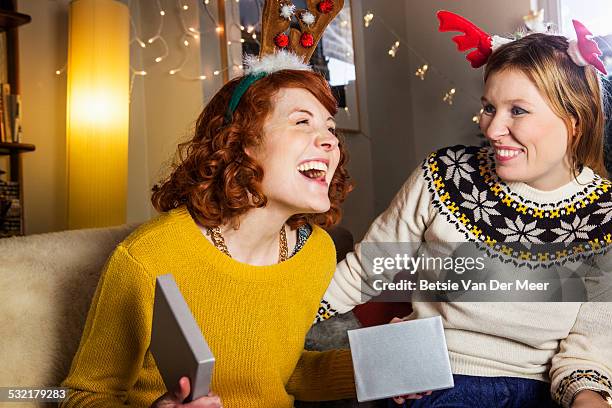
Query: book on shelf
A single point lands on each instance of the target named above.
(14, 110)
(3, 134)
(3, 58)
(10, 206)
(5, 94)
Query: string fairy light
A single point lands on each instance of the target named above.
(423, 70)
(60, 71)
(449, 96)
(476, 118)
(393, 50)
(135, 73)
(158, 35)
(367, 19)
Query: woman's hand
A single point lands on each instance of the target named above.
(175, 399)
(589, 399)
(403, 398)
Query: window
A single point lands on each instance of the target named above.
(596, 16)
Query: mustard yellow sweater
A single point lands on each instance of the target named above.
(254, 318)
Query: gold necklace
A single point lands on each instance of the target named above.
(219, 242)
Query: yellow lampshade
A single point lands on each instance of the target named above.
(97, 124)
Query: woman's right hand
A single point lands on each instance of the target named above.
(175, 399)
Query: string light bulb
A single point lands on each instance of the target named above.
(219, 29)
(216, 73)
(367, 19)
(393, 50)
(158, 59)
(162, 13)
(172, 71)
(202, 77)
(58, 72)
(449, 96)
(185, 7)
(186, 43)
(476, 118)
(421, 72)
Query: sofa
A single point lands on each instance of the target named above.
(47, 282)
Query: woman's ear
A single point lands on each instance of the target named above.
(574, 123)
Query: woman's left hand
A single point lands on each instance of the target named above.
(403, 398)
(589, 399)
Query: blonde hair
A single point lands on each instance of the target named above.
(572, 91)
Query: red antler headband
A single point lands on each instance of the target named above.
(474, 37)
(583, 51)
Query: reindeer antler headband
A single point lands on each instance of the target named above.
(583, 51)
(283, 46)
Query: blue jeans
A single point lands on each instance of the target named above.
(487, 392)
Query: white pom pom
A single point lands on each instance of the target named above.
(497, 41)
(308, 18)
(287, 11)
(575, 54)
(274, 62)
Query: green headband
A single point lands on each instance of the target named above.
(242, 87)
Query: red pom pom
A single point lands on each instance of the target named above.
(281, 40)
(307, 40)
(325, 6)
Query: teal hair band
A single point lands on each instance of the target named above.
(242, 87)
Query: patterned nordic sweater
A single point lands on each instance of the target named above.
(456, 196)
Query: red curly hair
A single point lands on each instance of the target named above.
(214, 177)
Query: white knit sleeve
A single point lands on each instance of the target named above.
(584, 360)
(405, 220)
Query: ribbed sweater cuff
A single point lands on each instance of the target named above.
(579, 381)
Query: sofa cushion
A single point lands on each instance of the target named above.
(47, 282)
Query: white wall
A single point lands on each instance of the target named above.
(43, 50)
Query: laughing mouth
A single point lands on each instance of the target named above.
(314, 170)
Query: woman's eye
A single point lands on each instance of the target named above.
(303, 122)
(332, 131)
(518, 111)
(488, 109)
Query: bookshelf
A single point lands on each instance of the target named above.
(11, 183)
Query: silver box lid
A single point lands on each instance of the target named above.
(400, 358)
(177, 343)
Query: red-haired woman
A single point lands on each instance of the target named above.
(241, 231)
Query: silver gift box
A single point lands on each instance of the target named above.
(177, 343)
(400, 358)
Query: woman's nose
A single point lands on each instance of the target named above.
(327, 140)
(496, 128)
